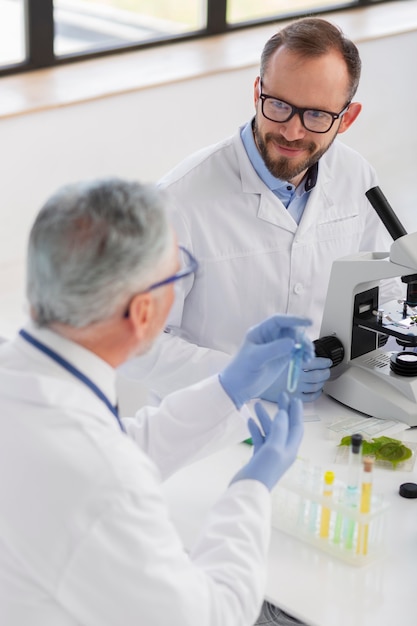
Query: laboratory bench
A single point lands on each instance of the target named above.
(307, 582)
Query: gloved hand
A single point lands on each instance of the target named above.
(275, 449)
(313, 375)
(265, 353)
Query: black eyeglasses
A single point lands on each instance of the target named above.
(190, 266)
(314, 120)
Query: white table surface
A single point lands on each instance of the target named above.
(316, 587)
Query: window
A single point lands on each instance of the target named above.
(85, 25)
(247, 10)
(12, 32)
(42, 33)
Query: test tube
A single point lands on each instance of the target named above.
(315, 486)
(339, 495)
(365, 505)
(294, 368)
(325, 511)
(355, 461)
(352, 490)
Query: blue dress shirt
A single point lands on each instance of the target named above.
(293, 198)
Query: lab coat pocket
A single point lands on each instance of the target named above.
(342, 230)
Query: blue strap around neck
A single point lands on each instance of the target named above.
(75, 372)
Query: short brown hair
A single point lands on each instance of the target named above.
(313, 37)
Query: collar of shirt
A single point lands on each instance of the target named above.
(100, 372)
(284, 190)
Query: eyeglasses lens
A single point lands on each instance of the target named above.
(313, 120)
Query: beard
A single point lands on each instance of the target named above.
(282, 167)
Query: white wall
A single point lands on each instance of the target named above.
(385, 132)
(140, 135)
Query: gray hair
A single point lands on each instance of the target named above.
(92, 246)
(313, 37)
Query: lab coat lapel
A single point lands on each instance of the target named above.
(273, 211)
(270, 208)
(319, 205)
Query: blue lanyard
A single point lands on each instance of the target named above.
(74, 371)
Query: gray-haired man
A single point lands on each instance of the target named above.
(86, 537)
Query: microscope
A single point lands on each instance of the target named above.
(377, 382)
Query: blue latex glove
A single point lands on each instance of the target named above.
(313, 375)
(275, 449)
(264, 355)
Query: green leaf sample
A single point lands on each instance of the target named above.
(383, 449)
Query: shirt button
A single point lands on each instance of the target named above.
(298, 288)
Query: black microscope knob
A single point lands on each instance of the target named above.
(330, 347)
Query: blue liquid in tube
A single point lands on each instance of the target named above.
(294, 368)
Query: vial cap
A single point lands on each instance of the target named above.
(368, 463)
(408, 490)
(356, 442)
(328, 477)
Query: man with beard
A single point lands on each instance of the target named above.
(267, 211)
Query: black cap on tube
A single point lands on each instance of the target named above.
(356, 442)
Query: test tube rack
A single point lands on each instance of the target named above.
(299, 506)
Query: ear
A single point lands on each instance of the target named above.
(350, 116)
(141, 314)
(256, 89)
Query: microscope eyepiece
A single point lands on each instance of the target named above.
(385, 212)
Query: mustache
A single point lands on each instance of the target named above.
(297, 144)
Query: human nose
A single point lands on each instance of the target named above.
(293, 128)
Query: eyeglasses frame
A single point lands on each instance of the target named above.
(300, 111)
(191, 268)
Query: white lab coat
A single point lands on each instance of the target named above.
(254, 259)
(85, 536)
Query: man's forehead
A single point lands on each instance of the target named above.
(293, 75)
(296, 61)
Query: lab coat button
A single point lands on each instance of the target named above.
(298, 288)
